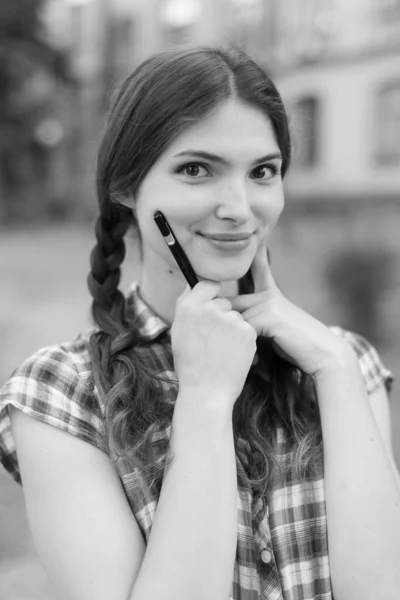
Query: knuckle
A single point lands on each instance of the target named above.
(210, 305)
(227, 304)
(233, 315)
(219, 303)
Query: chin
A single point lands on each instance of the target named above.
(227, 274)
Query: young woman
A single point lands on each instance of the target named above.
(163, 457)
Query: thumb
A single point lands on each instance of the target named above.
(261, 270)
(186, 291)
(183, 295)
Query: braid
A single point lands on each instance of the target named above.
(119, 371)
(108, 306)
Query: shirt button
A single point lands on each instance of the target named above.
(266, 556)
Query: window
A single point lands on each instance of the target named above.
(307, 125)
(387, 149)
(388, 10)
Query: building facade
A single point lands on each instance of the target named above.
(338, 68)
(336, 63)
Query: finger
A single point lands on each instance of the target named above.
(234, 315)
(241, 303)
(222, 303)
(186, 290)
(261, 270)
(205, 290)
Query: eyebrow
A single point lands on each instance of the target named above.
(218, 159)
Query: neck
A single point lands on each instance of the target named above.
(161, 290)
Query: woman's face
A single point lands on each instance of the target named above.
(219, 176)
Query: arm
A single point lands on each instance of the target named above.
(193, 541)
(379, 402)
(84, 530)
(362, 492)
(81, 523)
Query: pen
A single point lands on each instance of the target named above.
(175, 248)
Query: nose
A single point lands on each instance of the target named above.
(233, 202)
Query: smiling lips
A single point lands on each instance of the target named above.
(227, 237)
(230, 242)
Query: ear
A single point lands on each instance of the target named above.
(126, 200)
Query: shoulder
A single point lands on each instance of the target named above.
(55, 386)
(64, 368)
(376, 375)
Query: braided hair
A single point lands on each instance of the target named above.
(151, 107)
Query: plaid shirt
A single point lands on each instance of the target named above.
(282, 545)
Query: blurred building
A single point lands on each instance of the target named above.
(338, 66)
(105, 40)
(80, 29)
(336, 63)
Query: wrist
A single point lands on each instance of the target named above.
(202, 405)
(197, 422)
(343, 359)
(208, 397)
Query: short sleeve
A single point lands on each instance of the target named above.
(50, 387)
(372, 368)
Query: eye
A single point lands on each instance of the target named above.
(193, 170)
(266, 172)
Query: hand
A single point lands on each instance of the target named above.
(295, 335)
(212, 345)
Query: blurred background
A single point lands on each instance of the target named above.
(336, 251)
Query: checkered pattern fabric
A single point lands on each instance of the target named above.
(282, 550)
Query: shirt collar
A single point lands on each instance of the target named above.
(148, 323)
(151, 326)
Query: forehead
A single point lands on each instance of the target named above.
(232, 125)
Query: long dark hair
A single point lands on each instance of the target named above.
(151, 107)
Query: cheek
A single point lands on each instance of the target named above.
(180, 204)
(270, 208)
(278, 206)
